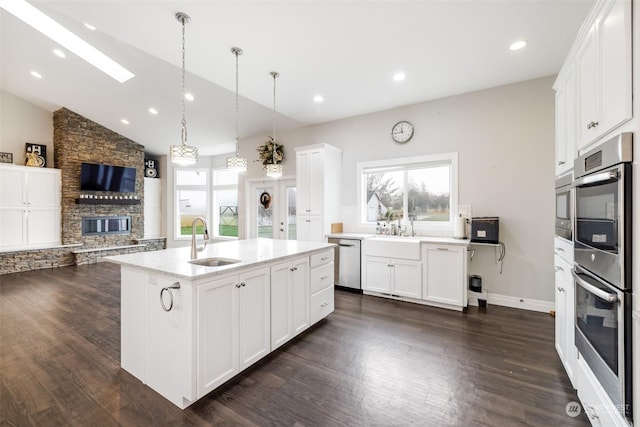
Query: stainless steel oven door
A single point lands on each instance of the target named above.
(603, 335)
(564, 207)
(602, 214)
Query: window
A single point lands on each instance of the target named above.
(420, 189)
(192, 191)
(225, 203)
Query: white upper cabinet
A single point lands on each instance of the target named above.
(603, 62)
(318, 174)
(566, 125)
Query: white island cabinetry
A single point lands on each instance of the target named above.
(186, 329)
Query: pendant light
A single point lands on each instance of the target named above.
(237, 163)
(274, 170)
(183, 154)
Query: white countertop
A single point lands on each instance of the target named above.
(251, 253)
(422, 239)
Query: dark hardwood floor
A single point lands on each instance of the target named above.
(373, 362)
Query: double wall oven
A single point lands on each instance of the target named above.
(602, 271)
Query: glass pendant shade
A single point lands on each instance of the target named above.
(184, 154)
(274, 171)
(237, 163)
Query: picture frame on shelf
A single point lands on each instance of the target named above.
(6, 157)
(36, 155)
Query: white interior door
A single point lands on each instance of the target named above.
(272, 209)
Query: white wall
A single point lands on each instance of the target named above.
(22, 122)
(505, 139)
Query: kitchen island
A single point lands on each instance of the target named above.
(187, 328)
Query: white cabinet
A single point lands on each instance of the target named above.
(289, 300)
(318, 176)
(152, 207)
(233, 326)
(29, 206)
(321, 279)
(397, 277)
(565, 315)
(566, 125)
(445, 274)
(603, 63)
(595, 402)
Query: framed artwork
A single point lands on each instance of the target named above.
(6, 157)
(36, 155)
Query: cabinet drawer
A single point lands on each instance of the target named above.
(322, 258)
(563, 248)
(321, 277)
(321, 305)
(595, 403)
(563, 268)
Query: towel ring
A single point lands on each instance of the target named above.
(175, 285)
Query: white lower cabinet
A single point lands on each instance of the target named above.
(393, 276)
(445, 274)
(595, 403)
(289, 300)
(233, 326)
(565, 315)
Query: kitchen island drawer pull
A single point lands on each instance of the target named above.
(175, 285)
(324, 304)
(324, 277)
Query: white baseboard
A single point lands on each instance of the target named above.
(516, 302)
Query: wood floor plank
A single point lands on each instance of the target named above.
(373, 362)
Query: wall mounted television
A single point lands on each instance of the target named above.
(98, 177)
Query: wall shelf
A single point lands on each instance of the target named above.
(108, 201)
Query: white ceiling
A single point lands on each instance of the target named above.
(347, 51)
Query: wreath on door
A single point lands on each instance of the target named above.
(265, 200)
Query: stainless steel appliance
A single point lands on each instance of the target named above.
(602, 272)
(347, 263)
(564, 207)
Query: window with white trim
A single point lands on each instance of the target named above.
(225, 203)
(421, 189)
(192, 196)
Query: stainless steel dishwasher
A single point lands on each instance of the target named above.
(347, 263)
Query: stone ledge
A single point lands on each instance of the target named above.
(12, 249)
(108, 248)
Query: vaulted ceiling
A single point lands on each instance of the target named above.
(346, 51)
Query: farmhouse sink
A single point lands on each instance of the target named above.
(214, 261)
(392, 247)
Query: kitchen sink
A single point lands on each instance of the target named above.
(392, 247)
(214, 261)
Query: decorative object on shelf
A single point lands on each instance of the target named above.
(265, 200)
(237, 163)
(6, 157)
(36, 155)
(402, 132)
(274, 166)
(183, 154)
(150, 168)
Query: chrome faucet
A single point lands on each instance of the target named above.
(205, 236)
(413, 231)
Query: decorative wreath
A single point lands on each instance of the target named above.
(265, 200)
(270, 153)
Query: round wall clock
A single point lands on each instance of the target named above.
(402, 132)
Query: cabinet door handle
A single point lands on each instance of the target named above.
(442, 249)
(324, 277)
(592, 125)
(558, 268)
(559, 249)
(560, 289)
(294, 269)
(324, 305)
(561, 162)
(324, 258)
(243, 284)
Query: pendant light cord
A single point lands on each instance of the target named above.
(275, 75)
(184, 109)
(237, 52)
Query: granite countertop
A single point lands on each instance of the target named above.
(251, 253)
(422, 239)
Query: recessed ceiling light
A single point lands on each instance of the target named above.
(188, 96)
(518, 45)
(56, 32)
(318, 99)
(59, 53)
(36, 74)
(89, 26)
(399, 76)
(125, 121)
(153, 111)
